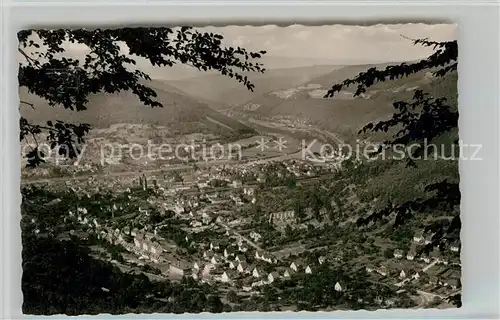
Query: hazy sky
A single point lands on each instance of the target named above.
(299, 45)
(342, 43)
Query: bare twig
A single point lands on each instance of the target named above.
(28, 58)
(27, 103)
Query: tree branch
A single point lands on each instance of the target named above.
(28, 58)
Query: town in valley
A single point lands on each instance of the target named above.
(252, 213)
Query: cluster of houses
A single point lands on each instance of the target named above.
(282, 218)
(230, 265)
(143, 245)
(420, 238)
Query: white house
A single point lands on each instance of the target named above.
(255, 273)
(240, 258)
(196, 266)
(232, 264)
(255, 236)
(425, 258)
(208, 254)
(410, 256)
(416, 276)
(203, 184)
(402, 274)
(382, 271)
(242, 267)
(225, 278)
(138, 242)
(308, 270)
(288, 273)
(338, 287)
(214, 246)
(248, 191)
(145, 246)
(272, 277)
(214, 260)
(454, 247)
(237, 184)
(207, 269)
(398, 254)
(266, 258)
(294, 266)
(134, 232)
(321, 259)
(156, 250)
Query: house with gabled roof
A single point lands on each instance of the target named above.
(258, 255)
(273, 276)
(242, 267)
(208, 254)
(453, 283)
(233, 264)
(410, 255)
(402, 274)
(155, 251)
(215, 260)
(236, 183)
(125, 230)
(256, 273)
(255, 236)
(195, 274)
(455, 246)
(240, 258)
(337, 287)
(321, 259)
(295, 266)
(197, 266)
(398, 253)
(251, 268)
(308, 270)
(266, 257)
(425, 258)
(214, 245)
(207, 269)
(382, 270)
(287, 274)
(225, 278)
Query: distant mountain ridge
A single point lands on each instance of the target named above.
(227, 91)
(180, 112)
(342, 114)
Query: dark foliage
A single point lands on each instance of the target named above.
(60, 277)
